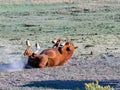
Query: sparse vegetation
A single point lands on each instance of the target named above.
(96, 86)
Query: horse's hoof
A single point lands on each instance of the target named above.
(37, 46)
(27, 43)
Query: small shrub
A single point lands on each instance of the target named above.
(96, 86)
(86, 10)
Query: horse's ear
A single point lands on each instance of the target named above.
(76, 47)
(67, 43)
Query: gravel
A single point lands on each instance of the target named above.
(74, 74)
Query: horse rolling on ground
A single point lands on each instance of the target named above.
(50, 57)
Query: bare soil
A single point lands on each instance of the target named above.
(93, 26)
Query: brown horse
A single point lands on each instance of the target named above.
(50, 57)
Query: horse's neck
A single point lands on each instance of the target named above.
(67, 55)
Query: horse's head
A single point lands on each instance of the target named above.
(68, 47)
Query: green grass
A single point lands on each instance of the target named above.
(67, 20)
(41, 23)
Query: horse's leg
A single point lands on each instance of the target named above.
(27, 52)
(56, 42)
(37, 48)
(42, 60)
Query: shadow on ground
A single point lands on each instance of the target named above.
(70, 84)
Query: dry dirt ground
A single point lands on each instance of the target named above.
(77, 25)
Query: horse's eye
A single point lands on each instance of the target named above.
(68, 49)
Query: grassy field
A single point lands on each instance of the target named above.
(84, 23)
(94, 23)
